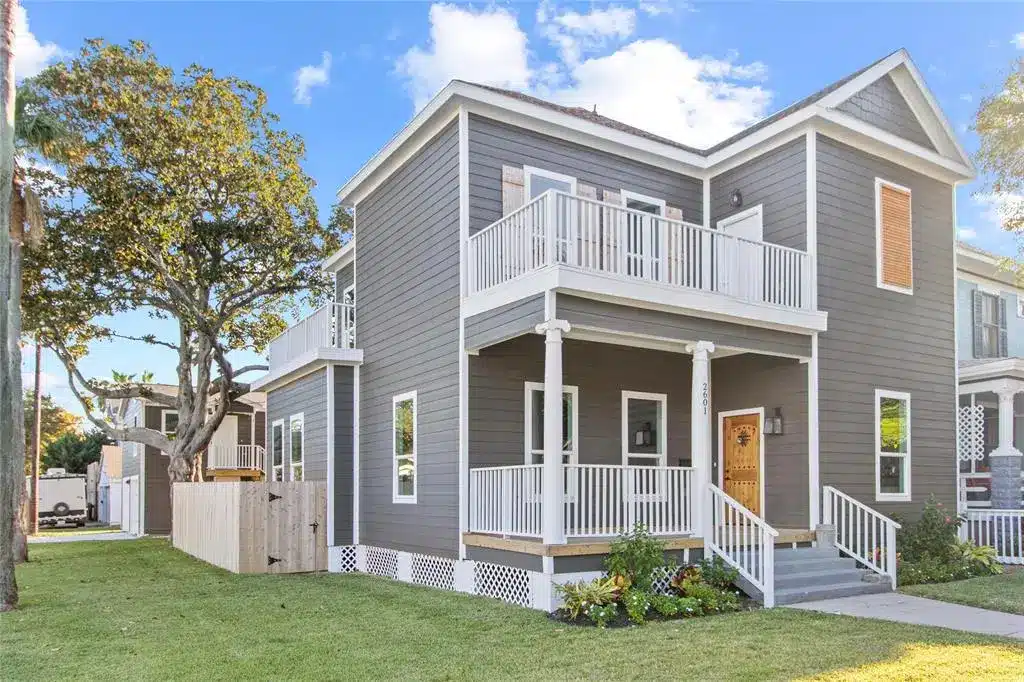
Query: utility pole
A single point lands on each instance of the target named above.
(37, 438)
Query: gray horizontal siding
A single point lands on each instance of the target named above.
(619, 318)
(882, 105)
(883, 339)
(344, 279)
(306, 395)
(505, 322)
(493, 145)
(408, 274)
(344, 385)
(778, 181)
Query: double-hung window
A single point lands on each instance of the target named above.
(169, 423)
(404, 447)
(535, 423)
(644, 433)
(892, 445)
(296, 446)
(989, 324)
(277, 451)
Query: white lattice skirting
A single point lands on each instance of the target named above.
(517, 586)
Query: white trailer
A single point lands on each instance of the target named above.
(62, 499)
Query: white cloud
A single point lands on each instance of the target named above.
(651, 84)
(30, 56)
(484, 47)
(966, 234)
(312, 76)
(1018, 40)
(967, 97)
(997, 209)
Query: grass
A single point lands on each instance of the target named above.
(1004, 592)
(140, 610)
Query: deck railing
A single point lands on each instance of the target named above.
(560, 229)
(330, 326)
(599, 500)
(1002, 529)
(236, 457)
(743, 540)
(861, 532)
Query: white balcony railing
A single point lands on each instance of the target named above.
(236, 457)
(599, 500)
(332, 325)
(593, 236)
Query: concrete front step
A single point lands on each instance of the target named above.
(790, 566)
(813, 578)
(796, 595)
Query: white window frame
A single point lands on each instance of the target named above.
(530, 171)
(662, 427)
(905, 496)
(395, 497)
(879, 183)
(997, 295)
(278, 423)
(163, 421)
(351, 288)
(625, 195)
(528, 388)
(302, 437)
(1020, 304)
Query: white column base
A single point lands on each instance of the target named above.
(1006, 451)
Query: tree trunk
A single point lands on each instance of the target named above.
(37, 439)
(12, 467)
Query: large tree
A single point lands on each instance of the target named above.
(75, 451)
(55, 421)
(1000, 128)
(180, 197)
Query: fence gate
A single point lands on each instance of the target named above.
(296, 527)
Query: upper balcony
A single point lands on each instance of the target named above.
(571, 243)
(332, 326)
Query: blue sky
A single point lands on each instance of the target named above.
(710, 69)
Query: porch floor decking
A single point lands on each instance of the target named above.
(590, 546)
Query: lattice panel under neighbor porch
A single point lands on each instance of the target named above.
(971, 434)
(506, 583)
(382, 562)
(433, 571)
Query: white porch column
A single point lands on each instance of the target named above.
(700, 430)
(552, 527)
(1006, 460)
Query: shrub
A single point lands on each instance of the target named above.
(717, 573)
(601, 615)
(688, 607)
(932, 536)
(931, 570)
(982, 559)
(635, 556)
(578, 597)
(636, 603)
(665, 605)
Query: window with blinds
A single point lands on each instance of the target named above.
(894, 237)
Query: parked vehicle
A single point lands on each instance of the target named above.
(61, 499)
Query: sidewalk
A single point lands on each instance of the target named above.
(904, 608)
(71, 536)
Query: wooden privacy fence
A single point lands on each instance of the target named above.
(253, 527)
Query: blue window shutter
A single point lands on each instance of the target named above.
(976, 309)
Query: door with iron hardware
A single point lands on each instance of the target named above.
(741, 459)
(296, 526)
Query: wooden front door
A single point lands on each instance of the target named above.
(741, 459)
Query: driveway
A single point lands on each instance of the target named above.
(905, 608)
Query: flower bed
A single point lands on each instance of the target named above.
(929, 550)
(625, 595)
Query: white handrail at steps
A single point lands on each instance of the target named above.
(861, 532)
(743, 540)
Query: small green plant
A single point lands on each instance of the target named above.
(603, 614)
(636, 556)
(636, 604)
(707, 596)
(688, 607)
(983, 558)
(717, 573)
(578, 597)
(665, 605)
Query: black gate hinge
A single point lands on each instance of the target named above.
(272, 497)
(271, 560)
(314, 526)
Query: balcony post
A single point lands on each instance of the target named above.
(700, 433)
(552, 509)
(551, 227)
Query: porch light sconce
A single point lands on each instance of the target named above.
(773, 425)
(736, 200)
(644, 435)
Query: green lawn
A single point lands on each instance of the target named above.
(140, 610)
(1003, 592)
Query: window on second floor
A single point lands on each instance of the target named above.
(894, 237)
(989, 313)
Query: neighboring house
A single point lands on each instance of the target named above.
(567, 325)
(990, 341)
(109, 508)
(235, 453)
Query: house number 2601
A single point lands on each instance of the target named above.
(704, 396)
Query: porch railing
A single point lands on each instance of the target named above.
(603, 500)
(329, 326)
(743, 540)
(599, 500)
(236, 457)
(975, 489)
(1002, 529)
(861, 532)
(560, 229)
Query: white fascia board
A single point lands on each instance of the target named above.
(309, 361)
(996, 368)
(855, 85)
(340, 258)
(716, 162)
(934, 114)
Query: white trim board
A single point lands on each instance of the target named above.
(307, 363)
(528, 388)
(759, 411)
(340, 258)
(906, 495)
(661, 427)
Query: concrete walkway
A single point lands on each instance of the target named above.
(904, 608)
(83, 537)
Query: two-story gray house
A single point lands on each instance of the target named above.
(990, 348)
(551, 326)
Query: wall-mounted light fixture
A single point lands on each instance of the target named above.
(736, 200)
(776, 422)
(644, 435)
